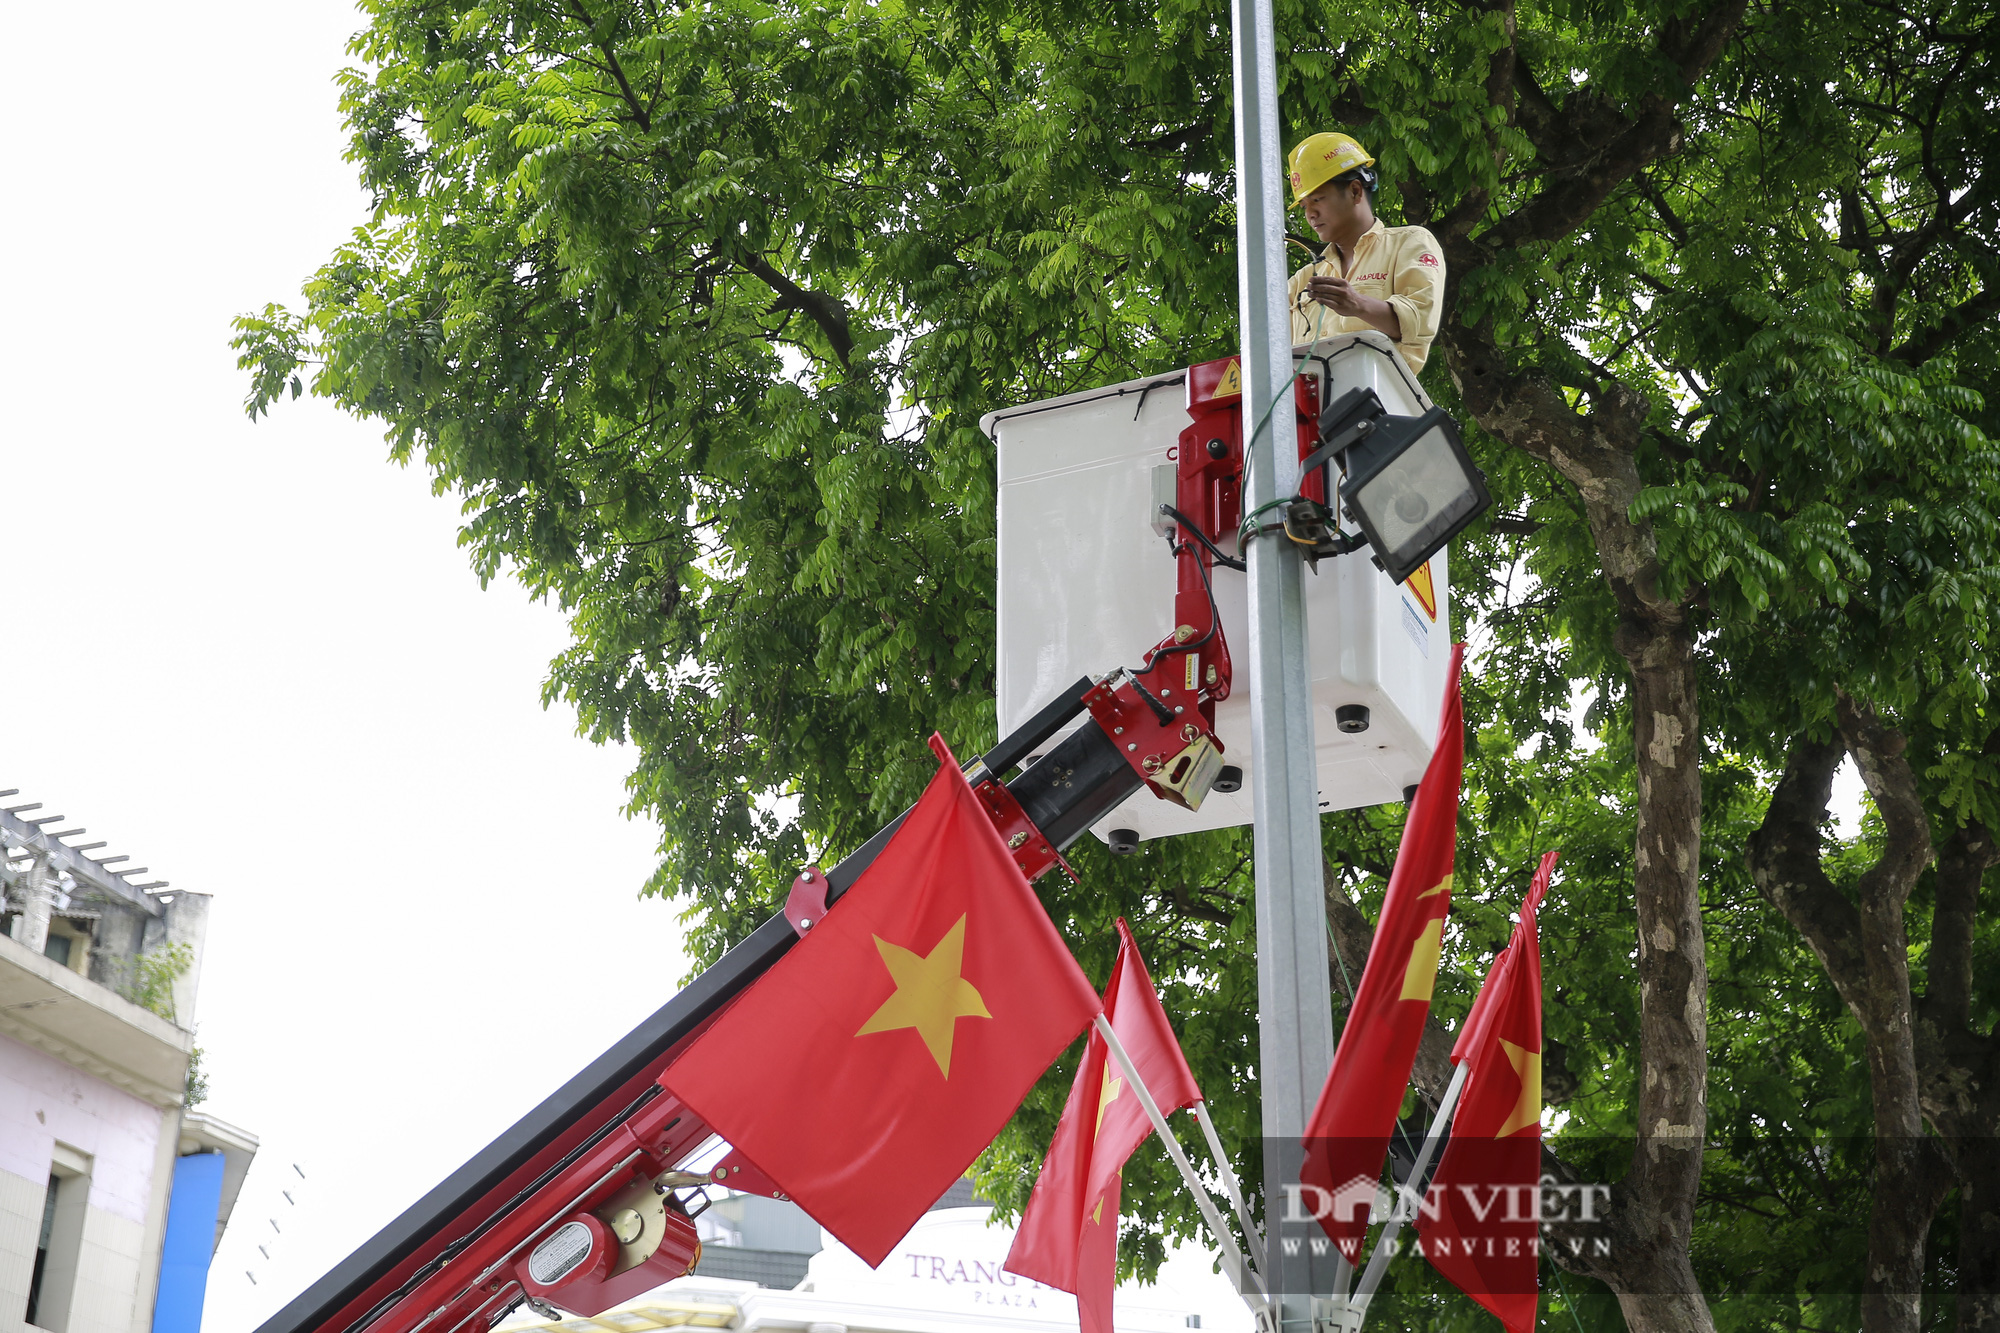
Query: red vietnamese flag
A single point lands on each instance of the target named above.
(1068, 1237)
(1097, 1262)
(1480, 1223)
(1347, 1135)
(866, 1070)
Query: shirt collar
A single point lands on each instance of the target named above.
(1366, 241)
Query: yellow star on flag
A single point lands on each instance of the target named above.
(1528, 1066)
(1097, 1213)
(1420, 974)
(1107, 1093)
(930, 995)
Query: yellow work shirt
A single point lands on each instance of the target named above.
(1401, 265)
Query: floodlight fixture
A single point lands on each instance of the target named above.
(1409, 484)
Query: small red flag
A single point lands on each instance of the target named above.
(1481, 1218)
(1068, 1235)
(866, 1070)
(1347, 1135)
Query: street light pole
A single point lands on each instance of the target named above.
(1295, 1018)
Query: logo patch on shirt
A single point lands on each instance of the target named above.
(1428, 258)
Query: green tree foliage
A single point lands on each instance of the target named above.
(196, 1090)
(697, 310)
(154, 975)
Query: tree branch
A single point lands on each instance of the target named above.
(638, 108)
(1658, 199)
(1878, 752)
(1466, 213)
(1963, 861)
(1584, 174)
(1784, 855)
(1960, 319)
(829, 312)
(1906, 254)
(1596, 451)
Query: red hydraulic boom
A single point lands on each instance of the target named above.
(584, 1203)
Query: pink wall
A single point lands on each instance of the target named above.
(43, 1100)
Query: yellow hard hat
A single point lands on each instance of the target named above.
(1320, 158)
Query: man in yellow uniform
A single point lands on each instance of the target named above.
(1390, 279)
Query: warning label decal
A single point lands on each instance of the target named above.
(1419, 586)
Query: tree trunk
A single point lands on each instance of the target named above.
(1979, 1234)
(1598, 454)
(1864, 947)
(1960, 1067)
(1910, 1176)
(1673, 980)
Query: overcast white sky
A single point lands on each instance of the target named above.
(253, 658)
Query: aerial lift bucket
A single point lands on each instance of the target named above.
(1084, 573)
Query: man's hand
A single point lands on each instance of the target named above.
(1337, 295)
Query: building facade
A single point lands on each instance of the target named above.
(112, 1192)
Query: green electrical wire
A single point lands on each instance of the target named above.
(1563, 1288)
(1344, 979)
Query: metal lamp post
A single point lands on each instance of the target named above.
(1295, 1011)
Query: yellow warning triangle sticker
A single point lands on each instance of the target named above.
(1419, 584)
(1231, 382)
